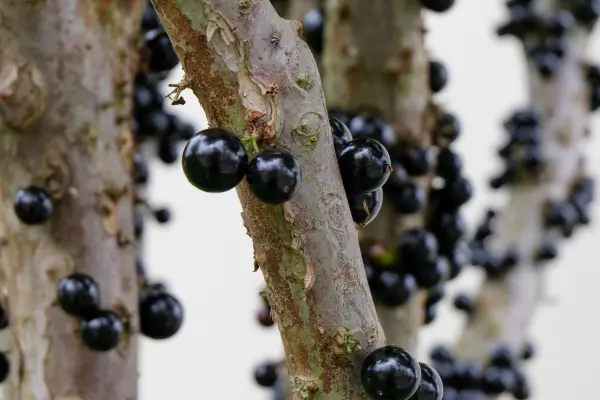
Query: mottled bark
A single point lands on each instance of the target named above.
(66, 68)
(505, 307)
(375, 57)
(254, 76)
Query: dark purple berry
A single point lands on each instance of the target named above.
(161, 315)
(3, 318)
(78, 294)
(265, 375)
(163, 56)
(438, 76)
(364, 164)
(390, 373)
(149, 18)
(4, 367)
(416, 248)
(364, 207)
(441, 354)
(406, 197)
(464, 303)
(449, 164)
(437, 5)
(428, 318)
(431, 273)
(274, 177)
(528, 351)
(503, 357)
(435, 295)
(33, 205)
(394, 289)
(447, 129)
(214, 160)
(416, 161)
(162, 215)
(430, 387)
(264, 317)
(341, 134)
(101, 331)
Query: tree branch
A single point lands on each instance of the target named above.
(375, 57)
(65, 76)
(275, 94)
(505, 306)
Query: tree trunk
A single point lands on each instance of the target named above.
(66, 69)
(254, 76)
(375, 57)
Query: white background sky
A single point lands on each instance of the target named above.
(206, 258)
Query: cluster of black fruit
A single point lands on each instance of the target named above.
(466, 380)
(388, 372)
(216, 160)
(522, 153)
(161, 314)
(545, 40)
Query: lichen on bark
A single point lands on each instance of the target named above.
(66, 69)
(246, 81)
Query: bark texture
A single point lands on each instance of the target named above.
(505, 307)
(66, 68)
(254, 76)
(375, 57)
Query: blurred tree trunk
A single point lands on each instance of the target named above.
(66, 71)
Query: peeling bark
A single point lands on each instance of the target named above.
(375, 57)
(66, 69)
(505, 307)
(247, 85)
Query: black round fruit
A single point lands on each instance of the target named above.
(265, 375)
(437, 5)
(365, 165)
(33, 205)
(390, 372)
(341, 134)
(4, 367)
(161, 315)
(163, 56)
(438, 76)
(274, 176)
(430, 387)
(394, 289)
(364, 207)
(214, 160)
(417, 161)
(78, 295)
(101, 331)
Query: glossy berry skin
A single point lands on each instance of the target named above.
(101, 331)
(364, 207)
(449, 164)
(430, 387)
(441, 354)
(394, 289)
(437, 5)
(466, 375)
(416, 161)
(464, 303)
(365, 165)
(265, 375)
(4, 367)
(406, 197)
(274, 176)
(456, 193)
(390, 373)
(78, 295)
(341, 134)
(264, 317)
(161, 315)
(214, 160)
(502, 356)
(33, 205)
(368, 124)
(438, 76)
(163, 56)
(431, 273)
(162, 215)
(417, 247)
(3, 318)
(447, 129)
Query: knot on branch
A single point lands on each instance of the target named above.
(345, 342)
(22, 94)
